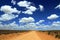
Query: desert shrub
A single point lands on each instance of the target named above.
(57, 36)
(49, 33)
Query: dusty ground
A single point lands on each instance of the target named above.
(32, 35)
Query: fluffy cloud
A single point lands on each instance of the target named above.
(6, 17)
(54, 26)
(30, 26)
(40, 21)
(26, 20)
(13, 2)
(8, 13)
(53, 16)
(11, 26)
(56, 23)
(58, 6)
(14, 26)
(32, 8)
(24, 4)
(41, 7)
(8, 9)
(27, 12)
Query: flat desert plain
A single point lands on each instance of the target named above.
(31, 35)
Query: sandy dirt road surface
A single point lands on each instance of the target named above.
(32, 35)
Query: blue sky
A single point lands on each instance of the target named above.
(29, 14)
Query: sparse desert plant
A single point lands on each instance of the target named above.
(57, 36)
(49, 33)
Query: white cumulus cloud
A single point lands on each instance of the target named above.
(40, 21)
(10, 26)
(32, 8)
(56, 23)
(24, 4)
(27, 12)
(30, 26)
(6, 17)
(53, 16)
(41, 7)
(26, 20)
(8, 13)
(13, 2)
(58, 6)
(8, 9)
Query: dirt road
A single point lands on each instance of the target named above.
(32, 35)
